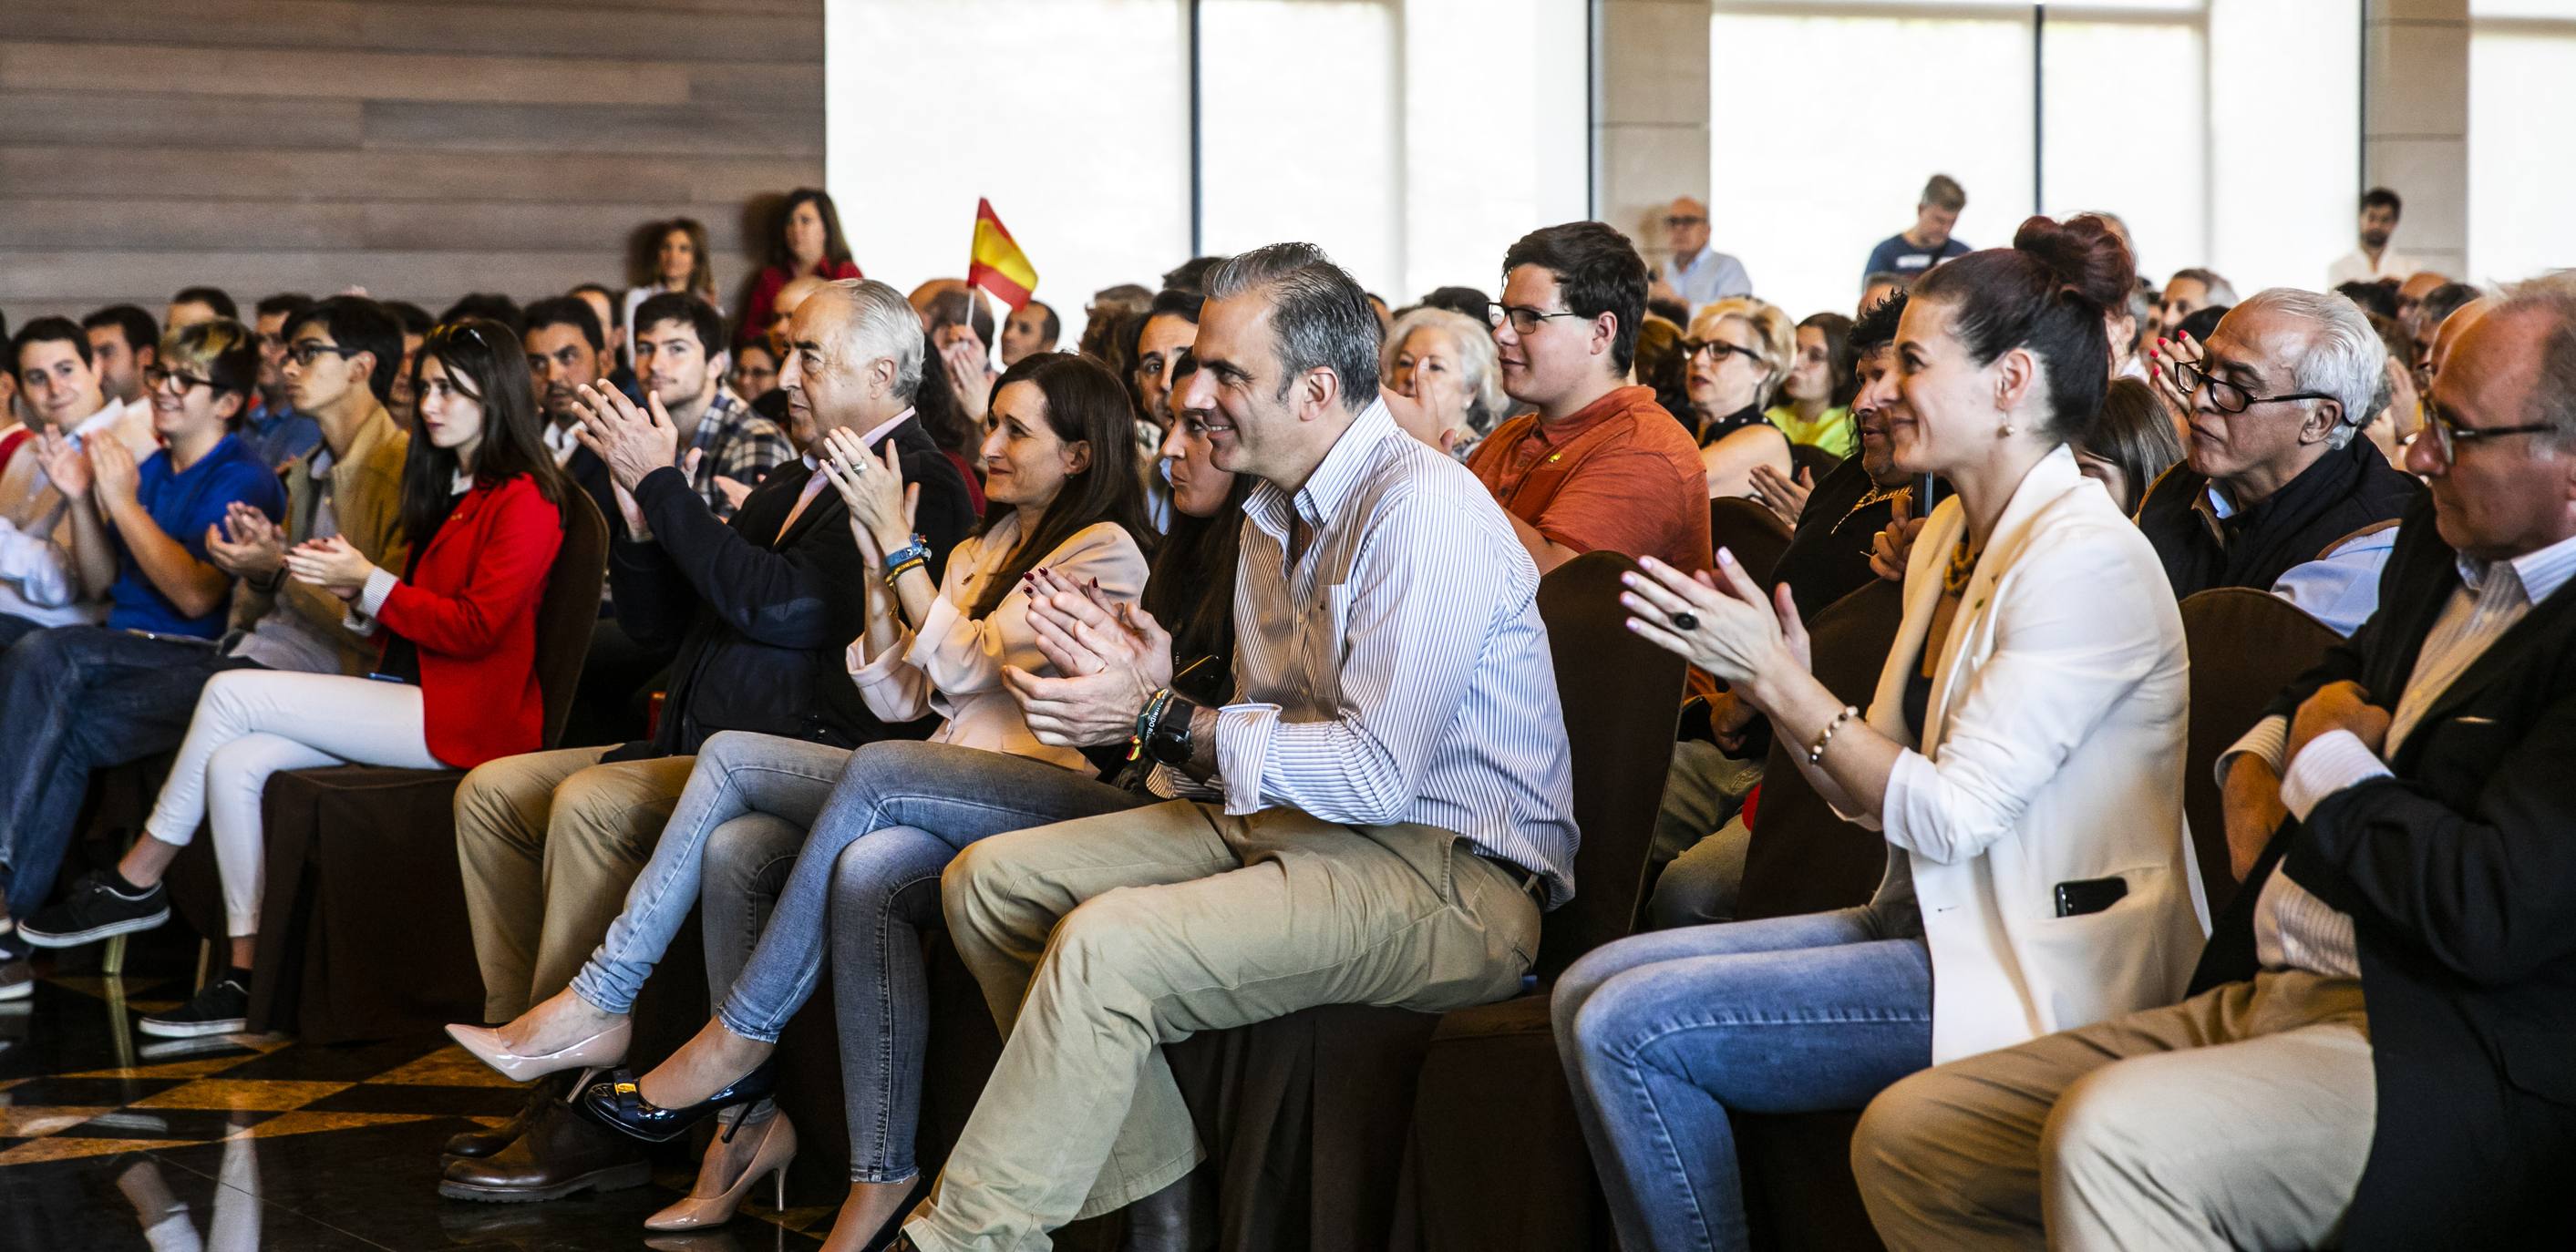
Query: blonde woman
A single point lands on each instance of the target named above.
(1737, 353)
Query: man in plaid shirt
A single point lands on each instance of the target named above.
(725, 447)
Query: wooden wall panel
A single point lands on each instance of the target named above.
(419, 148)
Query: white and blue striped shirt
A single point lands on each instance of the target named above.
(1397, 671)
(2293, 929)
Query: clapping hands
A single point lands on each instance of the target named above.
(1109, 656)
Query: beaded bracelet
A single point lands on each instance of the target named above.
(1816, 753)
(1146, 719)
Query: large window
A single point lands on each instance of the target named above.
(1412, 139)
(2221, 131)
(2521, 55)
(1073, 119)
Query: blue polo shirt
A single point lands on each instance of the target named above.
(183, 505)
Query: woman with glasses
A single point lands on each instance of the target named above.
(2022, 757)
(455, 685)
(1737, 353)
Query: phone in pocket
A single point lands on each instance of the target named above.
(2077, 897)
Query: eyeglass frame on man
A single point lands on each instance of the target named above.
(2449, 434)
(303, 351)
(1675, 221)
(1497, 313)
(2183, 372)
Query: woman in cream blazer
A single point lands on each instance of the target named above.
(2022, 756)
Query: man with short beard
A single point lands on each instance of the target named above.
(125, 342)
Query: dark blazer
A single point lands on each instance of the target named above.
(2460, 876)
(761, 619)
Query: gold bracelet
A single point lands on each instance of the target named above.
(1816, 753)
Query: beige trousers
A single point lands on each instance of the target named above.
(549, 843)
(1097, 940)
(2239, 1118)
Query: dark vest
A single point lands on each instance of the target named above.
(2348, 490)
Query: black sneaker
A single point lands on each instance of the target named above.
(95, 910)
(221, 1008)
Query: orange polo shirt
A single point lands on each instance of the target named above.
(1621, 474)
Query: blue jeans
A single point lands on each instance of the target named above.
(866, 884)
(737, 774)
(77, 699)
(1664, 1034)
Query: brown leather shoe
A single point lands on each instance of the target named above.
(560, 1154)
(483, 1141)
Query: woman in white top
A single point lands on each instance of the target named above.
(1065, 499)
(2022, 755)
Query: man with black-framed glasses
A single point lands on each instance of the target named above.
(1600, 464)
(2275, 491)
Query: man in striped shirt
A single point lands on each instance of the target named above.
(1380, 816)
(2376, 1053)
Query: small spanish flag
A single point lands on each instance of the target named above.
(997, 264)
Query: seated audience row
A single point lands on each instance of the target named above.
(899, 633)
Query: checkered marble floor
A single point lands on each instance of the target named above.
(112, 1140)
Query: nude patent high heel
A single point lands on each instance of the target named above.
(608, 1047)
(776, 1151)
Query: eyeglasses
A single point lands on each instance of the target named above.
(1693, 348)
(2449, 435)
(304, 350)
(1677, 221)
(2189, 378)
(155, 377)
(1523, 318)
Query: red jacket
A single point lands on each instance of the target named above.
(470, 607)
(764, 295)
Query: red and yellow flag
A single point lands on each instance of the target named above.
(997, 265)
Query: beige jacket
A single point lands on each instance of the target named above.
(366, 500)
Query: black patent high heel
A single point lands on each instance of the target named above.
(618, 1103)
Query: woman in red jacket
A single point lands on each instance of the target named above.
(809, 241)
(457, 683)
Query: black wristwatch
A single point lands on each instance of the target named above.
(1167, 739)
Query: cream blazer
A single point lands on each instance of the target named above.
(2054, 753)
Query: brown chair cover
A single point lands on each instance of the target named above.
(1814, 460)
(1494, 1159)
(1802, 858)
(363, 931)
(1755, 534)
(2245, 646)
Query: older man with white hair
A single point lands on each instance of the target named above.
(2276, 492)
(761, 608)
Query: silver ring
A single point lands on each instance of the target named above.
(1686, 620)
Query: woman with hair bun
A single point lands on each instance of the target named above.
(2022, 756)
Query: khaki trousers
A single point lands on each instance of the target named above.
(1098, 940)
(2239, 1118)
(549, 843)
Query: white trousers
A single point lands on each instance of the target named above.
(252, 723)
